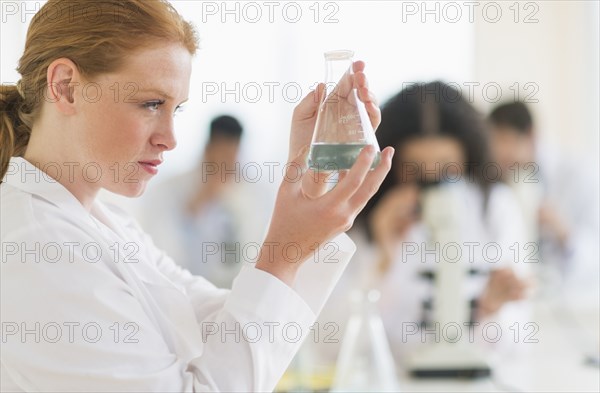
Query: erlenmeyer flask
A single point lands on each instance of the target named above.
(343, 126)
(365, 362)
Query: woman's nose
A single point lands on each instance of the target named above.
(164, 136)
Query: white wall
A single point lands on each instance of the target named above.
(401, 43)
(291, 54)
(288, 53)
(559, 54)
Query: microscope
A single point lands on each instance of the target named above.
(444, 209)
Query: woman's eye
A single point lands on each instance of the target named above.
(153, 105)
(179, 109)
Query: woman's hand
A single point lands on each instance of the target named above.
(305, 114)
(301, 223)
(305, 118)
(551, 221)
(391, 219)
(503, 286)
(305, 216)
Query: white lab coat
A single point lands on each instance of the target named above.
(76, 320)
(403, 289)
(490, 240)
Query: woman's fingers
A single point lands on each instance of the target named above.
(360, 81)
(357, 80)
(358, 66)
(349, 80)
(315, 183)
(344, 87)
(368, 98)
(506, 285)
(354, 179)
(374, 114)
(341, 175)
(373, 180)
(308, 106)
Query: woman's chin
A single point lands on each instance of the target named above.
(129, 190)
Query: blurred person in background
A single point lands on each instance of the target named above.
(201, 222)
(558, 197)
(440, 141)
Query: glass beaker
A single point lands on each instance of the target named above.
(365, 362)
(343, 127)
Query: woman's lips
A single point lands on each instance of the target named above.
(150, 166)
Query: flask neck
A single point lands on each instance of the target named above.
(335, 69)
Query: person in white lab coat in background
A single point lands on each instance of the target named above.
(88, 302)
(210, 215)
(558, 197)
(441, 145)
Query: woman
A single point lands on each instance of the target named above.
(442, 190)
(95, 305)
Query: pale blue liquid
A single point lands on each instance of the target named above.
(336, 156)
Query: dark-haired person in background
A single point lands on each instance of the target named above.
(558, 199)
(202, 219)
(441, 143)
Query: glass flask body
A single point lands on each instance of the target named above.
(343, 127)
(365, 362)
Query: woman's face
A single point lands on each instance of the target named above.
(126, 120)
(510, 148)
(430, 159)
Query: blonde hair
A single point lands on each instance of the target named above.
(96, 35)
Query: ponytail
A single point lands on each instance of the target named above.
(14, 126)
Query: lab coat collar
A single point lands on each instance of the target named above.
(25, 176)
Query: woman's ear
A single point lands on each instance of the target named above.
(63, 77)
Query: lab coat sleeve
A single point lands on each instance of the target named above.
(254, 331)
(71, 322)
(507, 230)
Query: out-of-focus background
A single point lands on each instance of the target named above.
(258, 59)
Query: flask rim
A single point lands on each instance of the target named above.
(341, 54)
